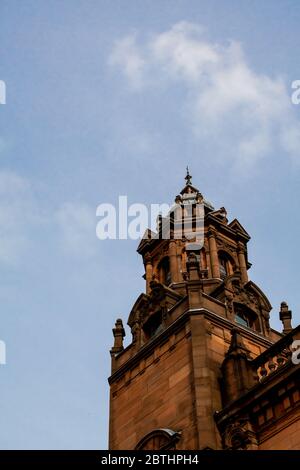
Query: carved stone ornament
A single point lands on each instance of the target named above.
(156, 301)
(238, 435)
(245, 297)
(136, 332)
(221, 244)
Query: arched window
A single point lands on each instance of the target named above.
(225, 265)
(246, 317)
(164, 271)
(242, 319)
(159, 439)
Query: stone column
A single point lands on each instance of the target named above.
(173, 260)
(149, 272)
(242, 263)
(213, 251)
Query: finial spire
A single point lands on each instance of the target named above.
(286, 317)
(188, 177)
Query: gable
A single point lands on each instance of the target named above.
(237, 226)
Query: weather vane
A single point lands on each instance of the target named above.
(188, 177)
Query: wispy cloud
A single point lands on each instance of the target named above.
(24, 217)
(243, 114)
(77, 223)
(18, 214)
(126, 55)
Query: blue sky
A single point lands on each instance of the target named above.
(109, 98)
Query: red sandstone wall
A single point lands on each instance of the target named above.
(159, 395)
(285, 439)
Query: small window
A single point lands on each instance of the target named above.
(241, 319)
(246, 317)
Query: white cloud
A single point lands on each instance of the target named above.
(242, 114)
(127, 56)
(77, 223)
(181, 54)
(23, 215)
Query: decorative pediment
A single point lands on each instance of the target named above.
(253, 289)
(139, 304)
(220, 214)
(237, 226)
(245, 296)
(146, 240)
(160, 298)
(251, 296)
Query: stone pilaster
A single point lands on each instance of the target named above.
(242, 263)
(149, 272)
(213, 251)
(173, 260)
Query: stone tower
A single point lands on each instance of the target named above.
(196, 332)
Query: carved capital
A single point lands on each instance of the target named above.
(212, 233)
(241, 248)
(148, 258)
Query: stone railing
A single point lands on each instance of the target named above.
(275, 357)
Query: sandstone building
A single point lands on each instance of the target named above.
(204, 369)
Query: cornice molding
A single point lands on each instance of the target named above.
(149, 347)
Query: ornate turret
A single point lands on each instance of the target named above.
(204, 256)
(201, 339)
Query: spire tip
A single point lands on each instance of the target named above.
(188, 177)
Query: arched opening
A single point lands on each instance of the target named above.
(226, 265)
(164, 273)
(153, 326)
(159, 439)
(246, 317)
